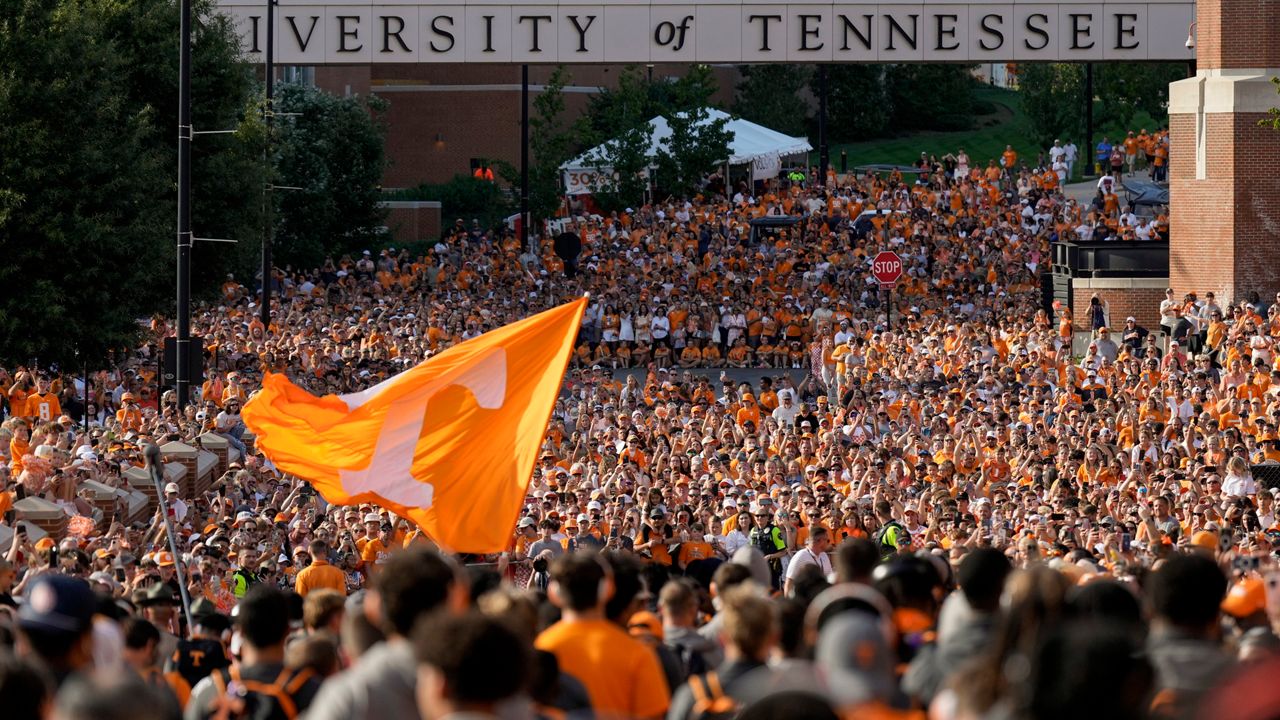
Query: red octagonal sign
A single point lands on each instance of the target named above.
(887, 267)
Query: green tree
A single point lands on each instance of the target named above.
(696, 145)
(331, 147)
(1052, 96)
(774, 96)
(227, 171)
(637, 99)
(623, 163)
(550, 144)
(857, 103)
(1123, 90)
(87, 233)
(930, 96)
(1272, 120)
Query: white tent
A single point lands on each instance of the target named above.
(752, 144)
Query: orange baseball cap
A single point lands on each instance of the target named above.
(164, 558)
(44, 543)
(1245, 598)
(645, 623)
(1205, 539)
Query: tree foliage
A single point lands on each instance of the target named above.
(1272, 120)
(857, 102)
(623, 163)
(550, 144)
(84, 231)
(1052, 95)
(697, 144)
(331, 147)
(775, 96)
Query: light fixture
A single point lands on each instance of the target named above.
(439, 137)
(1191, 35)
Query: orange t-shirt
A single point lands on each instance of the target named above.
(621, 674)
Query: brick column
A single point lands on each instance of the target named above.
(1223, 185)
(184, 455)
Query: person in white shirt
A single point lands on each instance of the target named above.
(1069, 154)
(1239, 481)
(814, 553)
(785, 413)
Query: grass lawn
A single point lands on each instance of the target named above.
(1007, 126)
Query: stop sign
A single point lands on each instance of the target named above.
(887, 267)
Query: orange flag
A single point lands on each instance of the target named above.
(449, 444)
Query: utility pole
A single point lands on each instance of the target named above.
(526, 236)
(824, 158)
(183, 344)
(268, 204)
(1088, 114)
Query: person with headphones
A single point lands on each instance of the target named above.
(622, 675)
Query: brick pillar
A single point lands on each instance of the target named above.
(184, 455)
(1223, 185)
(219, 446)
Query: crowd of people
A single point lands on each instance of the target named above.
(854, 514)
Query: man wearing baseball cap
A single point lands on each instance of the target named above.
(56, 624)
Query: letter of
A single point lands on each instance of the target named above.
(536, 19)
(582, 31)
(1078, 30)
(488, 33)
(864, 34)
(986, 28)
(302, 44)
(442, 33)
(944, 32)
(764, 29)
(387, 33)
(253, 32)
(807, 32)
(894, 27)
(1122, 31)
(344, 33)
(1038, 31)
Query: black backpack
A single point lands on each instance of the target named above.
(693, 661)
(239, 699)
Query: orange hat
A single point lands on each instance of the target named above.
(1245, 598)
(572, 522)
(164, 558)
(1205, 539)
(280, 518)
(44, 543)
(645, 623)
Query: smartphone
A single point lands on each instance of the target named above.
(53, 556)
(1272, 585)
(613, 532)
(1126, 541)
(120, 574)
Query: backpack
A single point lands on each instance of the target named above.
(710, 701)
(890, 543)
(239, 699)
(693, 661)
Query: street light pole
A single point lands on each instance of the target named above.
(268, 203)
(824, 157)
(524, 158)
(183, 360)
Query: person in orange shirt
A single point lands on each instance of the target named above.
(129, 416)
(377, 551)
(18, 394)
(1009, 158)
(622, 675)
(320, 574)
(42, 403)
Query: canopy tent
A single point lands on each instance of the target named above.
(752, 144)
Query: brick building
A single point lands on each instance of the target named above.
(1224, 188)
(442, 116)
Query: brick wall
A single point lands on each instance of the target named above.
(1142, 303)
(1225, 229)
(411, 221)
(1229, 34)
